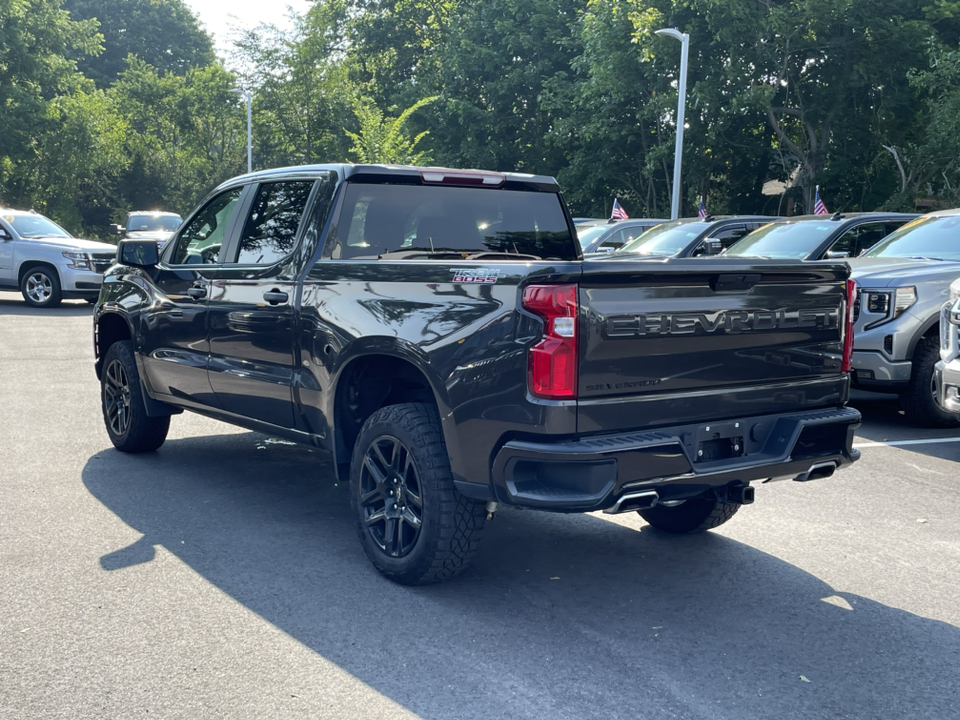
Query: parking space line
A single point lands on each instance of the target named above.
(892, 443)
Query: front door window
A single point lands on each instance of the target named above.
(200, 242)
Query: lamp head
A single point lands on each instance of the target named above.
(671, 32)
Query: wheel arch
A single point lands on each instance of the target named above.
(109, 328)
(929, 328)
(28, 265)
(371, 380)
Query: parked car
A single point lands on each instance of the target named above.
(815, 237)
(150, 225)
(610, 235)
(437, 332)
(947, 372)
(904, 281)
(691, 237)
(46, 262)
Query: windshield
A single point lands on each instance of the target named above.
(926, 237)
(151, 223)
(586, 235)
(783, 241)
(666, 239)
(36, 226)
(377, 219)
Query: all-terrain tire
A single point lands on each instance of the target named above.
(40, 287)
(130, 429)
(697, 514)
(424, 531)
(920, 402)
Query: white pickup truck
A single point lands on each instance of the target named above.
(947, 373)
(46, 262)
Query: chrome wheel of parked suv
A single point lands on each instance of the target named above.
(41, 287)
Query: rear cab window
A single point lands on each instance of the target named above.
(379, 220)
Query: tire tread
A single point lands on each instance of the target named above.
(458, 523)
(145, 433)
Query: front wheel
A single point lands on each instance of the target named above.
(697, 514)
(415, 527)
(40, 287)
(130, 429)
(920, 402)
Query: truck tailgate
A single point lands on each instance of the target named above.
(708, 339)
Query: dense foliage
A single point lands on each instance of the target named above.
(107, 106)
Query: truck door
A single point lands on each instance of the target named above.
(176, 348)
(251, 306)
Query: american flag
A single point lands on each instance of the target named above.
(819, 208)
(702, 213)
(618, 213)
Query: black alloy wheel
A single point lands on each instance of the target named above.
(413, 523)
(116, 398)
(130, 427)
(391, 497)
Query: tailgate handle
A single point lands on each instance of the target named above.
(732, 283)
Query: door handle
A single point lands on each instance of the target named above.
(197, 292)
(275, 297)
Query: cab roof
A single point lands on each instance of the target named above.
(383, 173)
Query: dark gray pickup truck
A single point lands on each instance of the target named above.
(440, 334)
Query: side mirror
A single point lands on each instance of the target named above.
(139, 253)
(836, 255)
(712, 246)
(4, 235)
(117, 229)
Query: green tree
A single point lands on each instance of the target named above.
(37, 39)
(163, 33)
(184, 136)
(302, 94)
(384, 139)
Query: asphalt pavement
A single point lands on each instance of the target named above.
(221, 577)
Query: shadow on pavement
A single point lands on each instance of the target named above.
(561, 617)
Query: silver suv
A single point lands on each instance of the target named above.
(904, 281)
(46, 262)
(149, 225)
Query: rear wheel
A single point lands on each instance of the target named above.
(130, 429)
(697, 514)
(414, 525)
(920, 401)
(40, 287)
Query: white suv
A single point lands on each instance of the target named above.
(46, 262)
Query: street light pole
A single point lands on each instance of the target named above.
(248, 96)
(684, 39)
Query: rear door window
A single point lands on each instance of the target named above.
(381, 219)
(270, 231)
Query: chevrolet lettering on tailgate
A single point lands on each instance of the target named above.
(734, 321)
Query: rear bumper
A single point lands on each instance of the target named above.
(594, 473)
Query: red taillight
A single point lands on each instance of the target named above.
(552, 370)
(848, 327)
